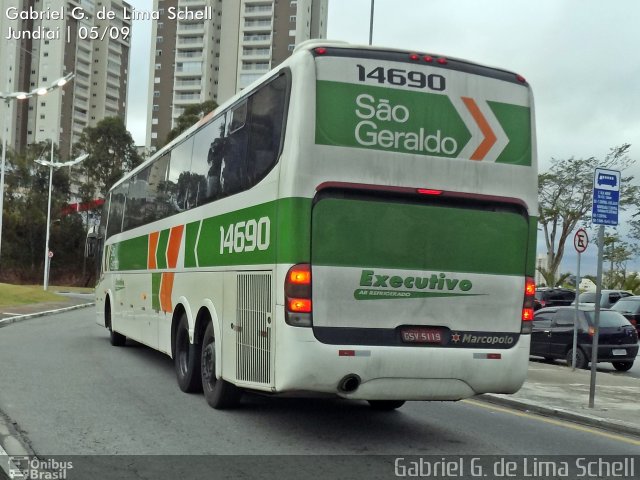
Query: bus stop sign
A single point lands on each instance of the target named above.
(606, 196)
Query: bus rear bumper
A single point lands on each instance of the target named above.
(398, 373)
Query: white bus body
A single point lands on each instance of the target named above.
(360, 222)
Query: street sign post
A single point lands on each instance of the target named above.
(580, 243)
(606, 198)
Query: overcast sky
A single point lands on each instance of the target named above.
(580, 57)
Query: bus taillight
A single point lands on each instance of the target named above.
(527, 305)
(297, 291)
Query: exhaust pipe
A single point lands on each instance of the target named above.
(349, 383)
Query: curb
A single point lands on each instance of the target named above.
(20, 318)
(589, 420)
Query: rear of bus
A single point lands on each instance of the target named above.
(417, 174)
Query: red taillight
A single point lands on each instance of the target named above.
(521, 79)
(527, 304)
(428, 58)
(442, 61)
(299, 305)
(414, 56)
(429, 191)
(530, 287)
(320, 50)
(297, 291)
(300, 276)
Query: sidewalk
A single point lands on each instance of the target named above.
(553, 389)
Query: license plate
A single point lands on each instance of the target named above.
(421, 335)
(619, 351)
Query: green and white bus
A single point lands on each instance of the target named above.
(359, 222)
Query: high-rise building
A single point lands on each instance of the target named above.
(57, 38)
(198, 59)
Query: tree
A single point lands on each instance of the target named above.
(112, 153)
(564, 194)
(191, 115)
(27, 189)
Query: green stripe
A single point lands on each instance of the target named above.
(155, 291)
(516, 123)
(161, 252)
(358, 233)
(130, 254)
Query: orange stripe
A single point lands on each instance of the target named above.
(175, 239)
(151, 253)
(166, 287)
(489, 137)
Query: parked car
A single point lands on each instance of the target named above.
(552, 336)
(630, 308)
(607, 299)
(553, 297)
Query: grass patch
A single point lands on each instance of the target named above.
(11, 295)
(24, 294)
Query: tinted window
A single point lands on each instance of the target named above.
(116, 209)
(627, 306)
(587, 297)
(207, 162)
(230, 154)
(136, 204)
(564, 317)
(608, 318)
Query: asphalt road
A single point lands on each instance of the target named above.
(72, 393)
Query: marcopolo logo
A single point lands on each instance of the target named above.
(378, 285)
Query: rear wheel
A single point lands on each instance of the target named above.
(116, 339)
(385, 405)
(581, 358)
(186, 358)
(622, 366)
(218, 393)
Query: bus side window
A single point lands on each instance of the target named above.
(266, 122)
(232, 174)
(116, 211)
(206, 166)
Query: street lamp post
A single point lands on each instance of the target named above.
(51, 164)
(7, 98)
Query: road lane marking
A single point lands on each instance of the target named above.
(559, 423)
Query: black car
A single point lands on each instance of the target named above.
(630, 308)
(552, 336)
(553, 297)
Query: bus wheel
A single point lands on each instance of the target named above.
(116, 339)
(186, 358)
(385, 405)
(219, 393)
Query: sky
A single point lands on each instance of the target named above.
(579, 56)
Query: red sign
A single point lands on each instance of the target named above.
(581, 240)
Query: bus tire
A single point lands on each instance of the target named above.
(218, 393)
(186, 358)
(385, 405)
(116, 339)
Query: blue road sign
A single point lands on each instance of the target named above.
(606, 197)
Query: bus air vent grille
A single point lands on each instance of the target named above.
(254, 335)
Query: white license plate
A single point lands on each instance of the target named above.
(619, 351)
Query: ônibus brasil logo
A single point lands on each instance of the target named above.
(377, 285)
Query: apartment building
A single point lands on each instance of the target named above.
(194, 60)
(50, 46)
